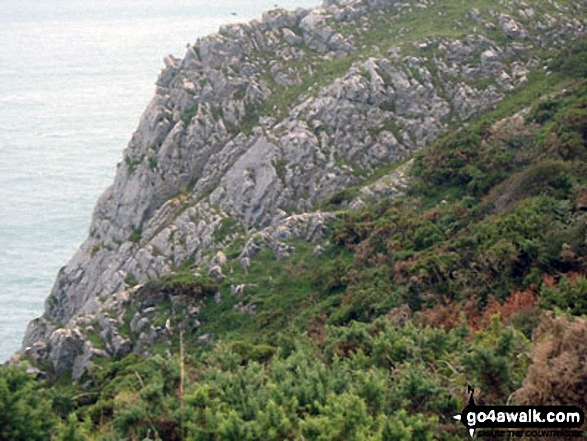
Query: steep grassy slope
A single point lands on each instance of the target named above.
(375, 335)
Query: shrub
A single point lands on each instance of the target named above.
(135, 236)
(558, 374)
(25, 409)
(569, 294)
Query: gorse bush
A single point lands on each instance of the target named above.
(25, 407)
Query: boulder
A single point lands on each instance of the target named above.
(511, 27)
(216, 272)
(205, 339)
(65, 345)
(220, 259)
(290, 37)
(489, 57)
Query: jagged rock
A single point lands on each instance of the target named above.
(142, 324)
(318, 251)
(245, 308)
(205, 339)
(489, 57)
(475, 15)
(220, 259)
(282, 251)
(146, 340)
(38, 374)
(134, 322)
(237, 290)
(37, 352)
(511, 27)
(64, 346)
(291, 37)
(245, 262)
(120, 346)
(84, 362)
(216, 272)
(357, 204)
(310, 226)
(391, 185)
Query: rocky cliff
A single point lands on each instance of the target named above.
(257, 126)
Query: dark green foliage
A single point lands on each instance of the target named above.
(135, 236)
(189, 114)
(548, 178)
(239, 94)
(570, 294)
(217, 112)
(131, 164)
(227, 226)
(473, 159)
(25, 407)
(153, 163)
(371, 381)
(131, 280)
(544, 111)
(497, 362)
(341, 197)
(184, 283)
(570, 130)
(572, 62)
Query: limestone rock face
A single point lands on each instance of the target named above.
(225, 149)
(65, 345)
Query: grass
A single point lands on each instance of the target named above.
(95, 249)
(135, 236)
(278, 289)
(227, 226)
(95, 339)
(189, 115)
(130, 279)
(437, 21)
(132, 165)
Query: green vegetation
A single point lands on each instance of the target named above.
(153, 163)
(135, 236)
(184, 283)
(95, 248)
(228, 225)
(25, 407)
(474, 277)
(131, 164)
(189, 115)
(131, 280)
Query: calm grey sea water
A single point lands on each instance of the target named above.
(75, 76)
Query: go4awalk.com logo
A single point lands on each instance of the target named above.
(475, 417)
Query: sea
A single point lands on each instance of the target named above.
(75, 76)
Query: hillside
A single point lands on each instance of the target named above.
(327, 224)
